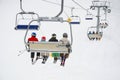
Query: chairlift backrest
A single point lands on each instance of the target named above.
(47, 47)
(93, 29)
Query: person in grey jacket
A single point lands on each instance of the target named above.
(65, 41)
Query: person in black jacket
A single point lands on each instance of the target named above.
(53, 39)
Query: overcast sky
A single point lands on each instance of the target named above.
(89, 60)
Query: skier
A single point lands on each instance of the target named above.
(44, 55)
(65, 41)
(33, 39)
(93, 33)
(53, 39)
(89, 35)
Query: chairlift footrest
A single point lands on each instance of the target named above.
(24, 27)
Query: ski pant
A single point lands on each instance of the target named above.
(64, 56)
(33, 54)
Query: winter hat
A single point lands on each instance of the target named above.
(43, 38)
(65, 35)
(53, 35)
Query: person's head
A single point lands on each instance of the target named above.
(43, 38)
(65, 35)
(53, 35)
(33, 34)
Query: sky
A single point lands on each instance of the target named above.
(89, 60)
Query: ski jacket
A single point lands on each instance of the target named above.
(65, 41)
(32, 39)
(53, 39)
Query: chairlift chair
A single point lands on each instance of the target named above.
(89, 16)
(103, 23)
(93, 34)
(24, 26)
(57, 47)
(45, 47)
(75, 20)
(22, 20)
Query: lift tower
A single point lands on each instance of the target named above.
(98, 5)
(95, 32)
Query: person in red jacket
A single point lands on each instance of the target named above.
(34, 39)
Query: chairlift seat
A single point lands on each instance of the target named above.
(74, 22)
(24, 27)
(54, 47)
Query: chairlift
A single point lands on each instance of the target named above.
(23, 18)
(103, 23)
(43, 47)
(93, 34)
(89, 16)
(74, 19)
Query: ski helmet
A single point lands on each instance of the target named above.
(33, 34)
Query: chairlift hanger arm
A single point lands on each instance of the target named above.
(21, 6)
(24, 12)
(62, 6)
